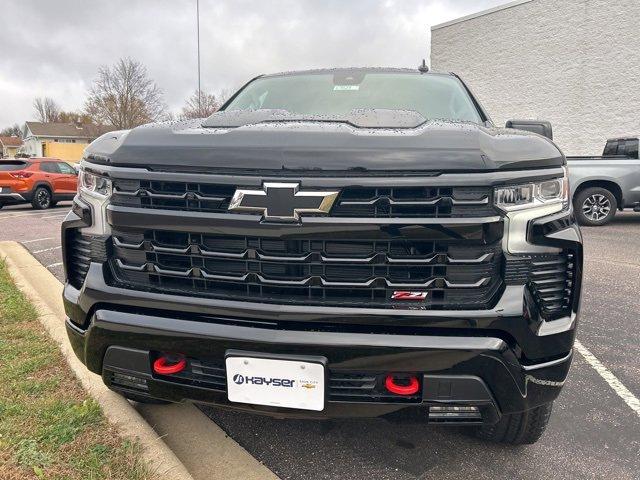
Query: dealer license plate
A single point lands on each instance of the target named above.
(277, 383)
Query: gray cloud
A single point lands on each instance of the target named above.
(54, 48)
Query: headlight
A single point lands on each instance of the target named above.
(523, 203)
(531, 195)
(93, 184)
(95, 190)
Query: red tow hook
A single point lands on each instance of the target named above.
(169, 364)
(402, 385)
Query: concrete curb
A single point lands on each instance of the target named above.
(206, 450)
(45, 291)
(179, 441)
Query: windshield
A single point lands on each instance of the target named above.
(336, 95)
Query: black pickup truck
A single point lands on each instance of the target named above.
(332, 243)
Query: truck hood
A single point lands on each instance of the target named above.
(317, 146)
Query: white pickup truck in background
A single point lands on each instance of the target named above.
(602, 185)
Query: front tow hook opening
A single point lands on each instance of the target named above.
(169, 364)
(404, 385)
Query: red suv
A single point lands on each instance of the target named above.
(43, 182)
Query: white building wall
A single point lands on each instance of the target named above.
(575, 63)
(32, 146)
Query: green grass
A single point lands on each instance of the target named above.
(49, 427)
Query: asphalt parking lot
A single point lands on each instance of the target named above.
(594, 432)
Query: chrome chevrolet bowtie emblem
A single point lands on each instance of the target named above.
(282, 201)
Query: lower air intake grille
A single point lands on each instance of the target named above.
(343, 387)
(358, 387)
(204, 375)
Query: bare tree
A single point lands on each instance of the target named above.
(123, 96)
(13, 130)
(46, 109)
(79, 118)
(200, 106)
(224, 95)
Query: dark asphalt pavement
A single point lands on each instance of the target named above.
(593, 432)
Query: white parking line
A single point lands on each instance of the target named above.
(60, 215)
(47, 249)
(623, 392)
(31, 214)
(54, 265)
(38, 240)
(28, 214)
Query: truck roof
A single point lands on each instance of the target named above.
(346, 70)
(623, 138)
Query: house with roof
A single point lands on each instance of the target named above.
(65, 141)
(9, 146)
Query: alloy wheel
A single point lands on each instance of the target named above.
(596, 207)
(43, 198)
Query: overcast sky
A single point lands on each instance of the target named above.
(54, 48)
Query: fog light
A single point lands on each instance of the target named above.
(454, 412)
(169, 364)
(128, 381)
(402, 385)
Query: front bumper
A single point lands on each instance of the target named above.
(461, 370)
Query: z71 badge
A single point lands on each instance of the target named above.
(401, 295)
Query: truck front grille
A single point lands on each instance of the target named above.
(375, 202)
(455, 274)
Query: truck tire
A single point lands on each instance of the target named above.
(595, 206)
(523, 428)
(41, 198)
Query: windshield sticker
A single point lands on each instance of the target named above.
(343, 88)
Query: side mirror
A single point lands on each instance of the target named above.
(540, 127)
